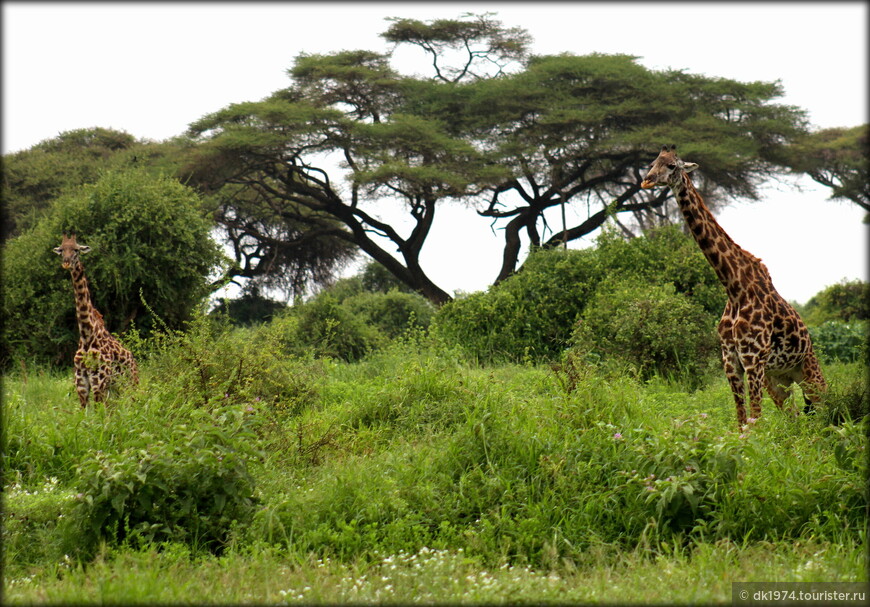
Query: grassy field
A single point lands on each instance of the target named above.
(232, 474)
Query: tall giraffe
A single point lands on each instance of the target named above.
(761, 334)
(100, 357)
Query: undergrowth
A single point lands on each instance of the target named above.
(231, 443)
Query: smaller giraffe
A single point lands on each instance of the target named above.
(763, 338)
(100, 358)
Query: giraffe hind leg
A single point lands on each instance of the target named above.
(812, 382)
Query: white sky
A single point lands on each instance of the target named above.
(150, 69)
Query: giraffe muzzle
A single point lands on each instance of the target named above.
(647, 184)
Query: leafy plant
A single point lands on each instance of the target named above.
(193, 488)
(392, 312)
(149, 243)
(652, 327)
(326, 328)
(845, 301)
(835, 340)
(527, 317)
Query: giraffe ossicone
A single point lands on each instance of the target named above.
(763, 339)
(100, 357)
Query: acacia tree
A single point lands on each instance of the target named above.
(348, 112)
(836, 158)
(514, 142)
(581, 129)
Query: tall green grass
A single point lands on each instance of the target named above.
(415, 451)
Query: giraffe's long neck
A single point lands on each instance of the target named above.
(84, 307)
(719, 249)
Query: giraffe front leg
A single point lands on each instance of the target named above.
(755, 380)
(82, 380)
(734, 374)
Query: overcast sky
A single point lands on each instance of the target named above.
(150, 69)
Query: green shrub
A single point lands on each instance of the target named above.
(193, 488)
(836, 340)
(664, 255)
(326, 328)
(393, 312)
(654, 328)
(846, 301)
(531, 315)
(214, 364)
(527, 317)
(149, 241)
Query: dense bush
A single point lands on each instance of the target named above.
(845, 301)
(149, 241)
(531, 315)
(393, 312)
(837, 340)
(664, 255)
(326, 328)
(653, 328)
(194, 488)
(213, 364)
(347, 322)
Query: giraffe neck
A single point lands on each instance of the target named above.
(84, 307)
(716, 245)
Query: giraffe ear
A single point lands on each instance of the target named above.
(83, 248)
(690, 166)
(58, 250)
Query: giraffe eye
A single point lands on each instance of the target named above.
(672, 166)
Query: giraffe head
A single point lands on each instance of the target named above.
(69, 251)
(667, 169)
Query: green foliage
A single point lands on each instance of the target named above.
(844, 301)
(651, 327)
(211, 364)
(836, 158)
(392, 313)
(192, 488)
(34, 178)
(251, 308)
(835, 340)
(329, 329)
(664, 255)
(149, 241)
(355, 316)
(531, 315)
